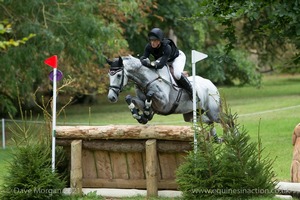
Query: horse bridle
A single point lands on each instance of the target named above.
(119, 88)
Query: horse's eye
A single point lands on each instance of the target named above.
(119, 76)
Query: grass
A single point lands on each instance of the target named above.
(4, 158)
(270, 111)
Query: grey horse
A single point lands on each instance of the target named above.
(157, 92)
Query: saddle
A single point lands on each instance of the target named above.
(188, 117)
(175, 83)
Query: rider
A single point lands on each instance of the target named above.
(167, 51)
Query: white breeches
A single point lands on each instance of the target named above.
(178, 65)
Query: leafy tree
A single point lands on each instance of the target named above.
(81, 33)
(268, 29)
(199, 34)
(5, 27)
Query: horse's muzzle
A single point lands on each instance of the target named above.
(112, 96)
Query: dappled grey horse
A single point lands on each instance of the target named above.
(157, 92)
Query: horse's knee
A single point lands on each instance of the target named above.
(138, 103)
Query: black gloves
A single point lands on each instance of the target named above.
(145, 63)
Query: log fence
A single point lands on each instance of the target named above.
(125, 156)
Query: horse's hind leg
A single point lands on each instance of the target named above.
(213, 134)
(134, 111)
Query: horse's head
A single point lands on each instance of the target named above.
(117, 79)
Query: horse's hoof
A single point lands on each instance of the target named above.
(143, 120)
(150, 116)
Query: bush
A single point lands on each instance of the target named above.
(30, 175)
(233, 169)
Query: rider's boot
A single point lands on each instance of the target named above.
(185, 84)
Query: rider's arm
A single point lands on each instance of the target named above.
(164, 59)
(146, 52)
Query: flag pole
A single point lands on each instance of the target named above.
(194, 105)
(52, 62)
(54, 118)
(196, 56)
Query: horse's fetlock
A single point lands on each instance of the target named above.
(131, 106)
(136, 116)
(147, 113)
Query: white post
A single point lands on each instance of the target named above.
(54, 117)
(194, 105)
(196, 56)
(3, 133)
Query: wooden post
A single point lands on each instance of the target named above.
(151, 168)
(76, 167)
(295, 167)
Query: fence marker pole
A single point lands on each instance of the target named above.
(3, 133)
(52, 62)
(196, 56)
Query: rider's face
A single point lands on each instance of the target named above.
(155, 43)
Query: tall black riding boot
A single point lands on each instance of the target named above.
(185, 84)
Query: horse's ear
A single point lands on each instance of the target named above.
(108, 61)
(120, 61)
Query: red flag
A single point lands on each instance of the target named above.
(52, 61)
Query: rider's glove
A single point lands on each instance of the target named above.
(146, 63)
(153, 65)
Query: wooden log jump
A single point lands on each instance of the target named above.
(125, 156)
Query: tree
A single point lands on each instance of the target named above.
(268, 29)
(81, 33)
(5, 44)
(5, 27)
(200, 34)
(235, 169)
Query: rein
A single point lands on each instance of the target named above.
(157, 78)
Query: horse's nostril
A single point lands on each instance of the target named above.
(112, 99)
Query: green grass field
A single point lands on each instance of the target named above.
(272, 111)
(4, 158)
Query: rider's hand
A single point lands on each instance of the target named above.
(146, 63)
(154, 64)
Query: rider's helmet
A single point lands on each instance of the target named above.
(156, 34)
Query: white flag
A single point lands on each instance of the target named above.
(197, 56)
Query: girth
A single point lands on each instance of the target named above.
(175, 104)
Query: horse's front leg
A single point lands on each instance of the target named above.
(135, 111)
(148, 112)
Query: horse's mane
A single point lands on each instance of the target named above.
(135, 66)
(131, 61)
